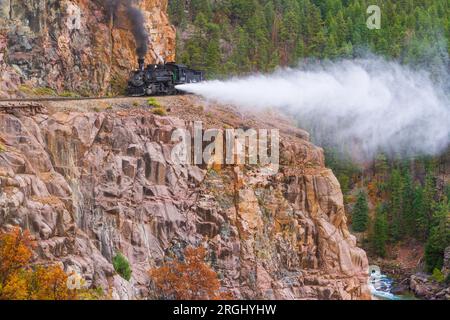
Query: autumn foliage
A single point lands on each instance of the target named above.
(19, 280)
(191, 279)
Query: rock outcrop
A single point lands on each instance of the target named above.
(424, 286)
(74, 45)
(91, 183)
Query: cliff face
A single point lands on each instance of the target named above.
(89, 183)
(74, 45)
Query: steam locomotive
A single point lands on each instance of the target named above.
(160, 79)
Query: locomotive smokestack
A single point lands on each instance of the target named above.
(141, 62)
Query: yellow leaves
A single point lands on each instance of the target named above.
(96, 294)
(192, 279)
(19, 280)
(16, 287)
(50, 283)
(15, 252)
(41, 283)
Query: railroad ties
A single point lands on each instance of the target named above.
(27, 106)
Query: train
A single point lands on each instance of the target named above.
(160, 79)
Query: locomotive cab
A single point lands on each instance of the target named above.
(183, 74)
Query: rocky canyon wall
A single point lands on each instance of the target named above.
(75, 45)
(89, 183)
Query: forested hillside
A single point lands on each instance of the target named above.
(390, 199)
(238, 36)
(409, 200)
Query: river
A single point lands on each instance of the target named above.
(381, 289)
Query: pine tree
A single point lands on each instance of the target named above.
(380, 231)
(283, 31)
(439, 237)
(360, 215)
(407, 204)
(212, 55)
(420, 215)
(241, 54)
(201, 7)
(381, 167)
(269, 12)
(429, 202)
(447, 191)
(380, 172)
(177, 13)
(395, 205)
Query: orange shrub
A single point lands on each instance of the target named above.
(192, 279)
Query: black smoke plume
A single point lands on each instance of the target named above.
(136, 20)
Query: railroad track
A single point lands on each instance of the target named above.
(60, 99)
(41, 99)
(35, 105)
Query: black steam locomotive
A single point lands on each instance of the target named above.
(160, 79)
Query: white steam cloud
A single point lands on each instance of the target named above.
(380, 105)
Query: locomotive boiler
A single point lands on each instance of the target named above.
(160, 79)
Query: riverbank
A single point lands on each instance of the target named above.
(403, 277)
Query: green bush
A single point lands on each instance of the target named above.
(40, 91)
(69, 94)
(438, 276)
(122, 266)
(26, 89)
(153, 103)
(44, 92)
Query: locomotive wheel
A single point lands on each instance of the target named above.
(173, 91)
(171, 88)
(136, 91)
